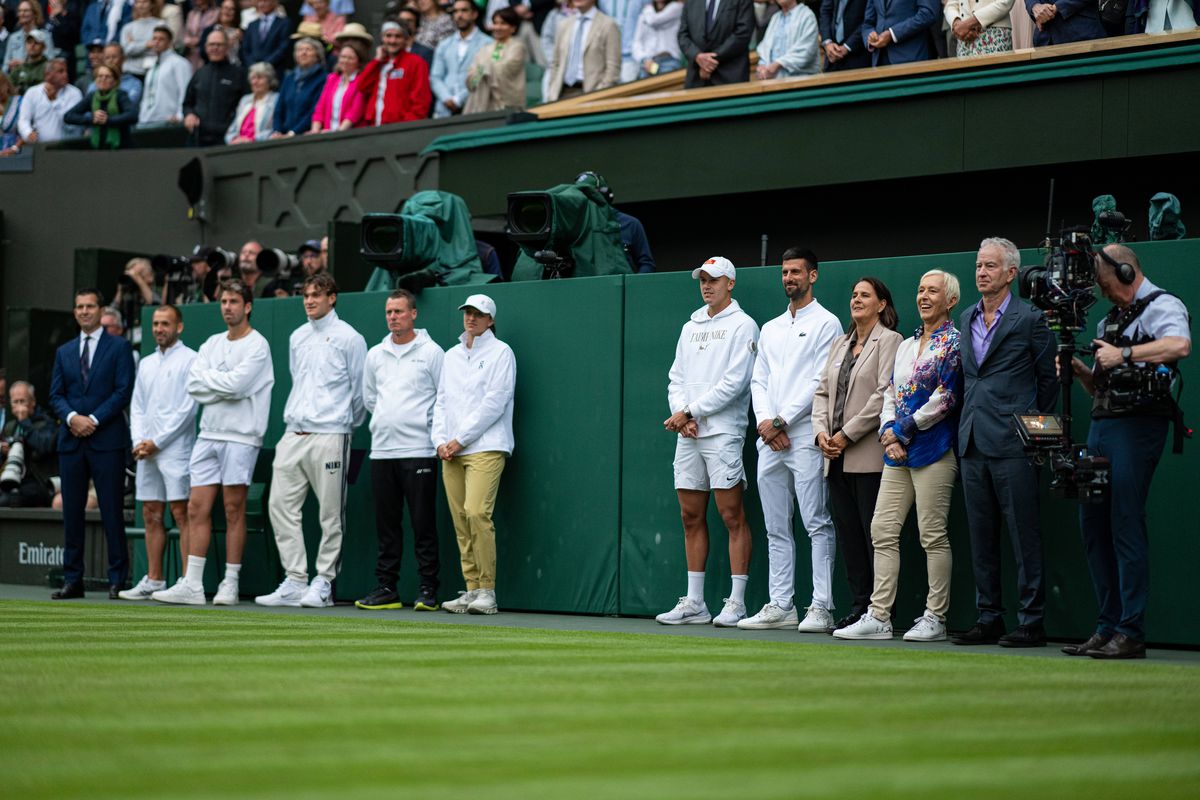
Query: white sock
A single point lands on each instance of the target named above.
(195, 570)
(696, 586)
(232, 571)
(738, 592)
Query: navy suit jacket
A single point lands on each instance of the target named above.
(1017, 376)
(852, 20)
(1077, 21)
(95, 28)
(108, 392)
(274, 50)
(909, 21)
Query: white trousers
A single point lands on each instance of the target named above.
(319, 461)
(796, 475)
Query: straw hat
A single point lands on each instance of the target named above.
(309, 30)
(354, 30)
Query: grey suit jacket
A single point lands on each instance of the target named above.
(1017, 376)
(729, 39)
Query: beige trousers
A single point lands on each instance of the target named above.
(930, 486)
(319, 461)
(471, 486)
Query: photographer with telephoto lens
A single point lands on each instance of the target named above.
(28, 452)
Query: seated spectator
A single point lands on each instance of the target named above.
(411, 17)
(841, 39)
(395, 86)
(203, 14)
(340, 106)
(29, 19)
(453, 59)
(106, 111)
(95, 57)
(213, 93)
(898, 32)
(266, 38)
(37, 432)
(301, 89)
(227, 19)
(32, 70)
(254, 120)
(656, 39)
(1064, 21)
(166, 83)
(102, 20)
(114, 57)
(789, 47)
(436, 24)
(331, 23)
(497, 77)
(136, 36)
(43, 108)
(979, 27)
(10, 109)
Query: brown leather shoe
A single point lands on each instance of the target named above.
(1095, 642)
(1120, 646)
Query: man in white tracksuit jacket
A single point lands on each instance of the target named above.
(709, 396)
(792, 353)
(324, 407)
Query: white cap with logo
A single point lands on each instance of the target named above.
(716, 267)
(480, 302)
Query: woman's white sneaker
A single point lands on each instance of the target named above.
(867, 627)
(928, 628)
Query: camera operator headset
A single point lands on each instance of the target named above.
(1140, 341)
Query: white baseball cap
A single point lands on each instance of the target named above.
(716, 267)
(480, 302)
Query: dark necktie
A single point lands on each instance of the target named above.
(85, 367)
(709, 15)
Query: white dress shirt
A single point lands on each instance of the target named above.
(40, 113)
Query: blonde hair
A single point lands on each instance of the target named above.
(949, 285)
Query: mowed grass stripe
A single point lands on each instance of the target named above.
(135, 702)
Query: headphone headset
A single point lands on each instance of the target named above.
(597, 181)
(1125, 271)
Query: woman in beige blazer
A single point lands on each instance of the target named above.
(496, 79)
(845, 419)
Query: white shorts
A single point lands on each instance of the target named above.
(162, 479)
(224, 463)
(713, 462)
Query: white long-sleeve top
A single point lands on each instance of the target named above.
(326, 358)
(233, 380)
(161, 409)
(714, 360)
(791, 357)
(166, 84)
(475, 396)
(40, 113)
(657, 32)
(791, 39)
(406, 377)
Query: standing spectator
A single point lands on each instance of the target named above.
(331, 24)
(203, 14)
(95, 57)
(358, 36)
(10, 112)
(107, 112)
(395, 86)
(266, 38)
(472, 428)
(789, 47)
(626, 14)
(411, 17)
(979, 27)
(90, 390)
(37, 433)
(136, 36)
(436, 24)
(656, 39)
(227, 19)
(43, 108)
(1157, 16)
(454, 58)
(587, 54)
(29, 19)
(166, 83)
(341, 104)
(497, 76)
(714, 37)
(254, 120)
(63, 21)
(841, 34)
(32, 70)
(301, 89)
(114, 57)
(897, 32)
(1064, 21)
(102, 20)
(213, 94)
(403, 371)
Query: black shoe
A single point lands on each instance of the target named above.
(426, 600)
(981, 633)
(69, 591)
(847, 621)
(1025, 636)
(1096, 641)
(1120, 646)
(114, 592)
(381, 597)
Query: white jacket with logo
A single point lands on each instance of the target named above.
(791, 357)
(326, 357)
(407, 384)
(714, 360)
(233, 380)
(161, 409)
(475, 397)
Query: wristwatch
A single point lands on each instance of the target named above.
(1127, 354)
(687, 411)
(777, 424)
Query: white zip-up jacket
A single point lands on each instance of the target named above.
(791, 357)
(475, 397)
(714, 360)
(326, 358)
(407, 381)
(161, 409)
(233, 380)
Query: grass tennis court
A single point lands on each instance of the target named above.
(142, 702)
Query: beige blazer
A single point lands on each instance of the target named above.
(601, 55)
(864, 397)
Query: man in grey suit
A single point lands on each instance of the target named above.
(714, 36)
(1008, 364)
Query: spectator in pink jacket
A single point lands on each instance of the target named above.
(341, 105)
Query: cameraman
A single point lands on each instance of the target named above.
(38, 433)
(1146, 327)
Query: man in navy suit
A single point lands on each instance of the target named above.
(841, 26)
(267, 38)
(897, 31)
(1065, 21)
(1008, 364)
(90, 389)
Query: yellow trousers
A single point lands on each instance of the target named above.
(471, 486)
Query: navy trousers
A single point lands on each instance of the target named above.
(1114, 531)
(106, 469)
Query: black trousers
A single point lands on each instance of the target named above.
(397, 481)
(852, 498)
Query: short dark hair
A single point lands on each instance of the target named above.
(416, 15)
(404, 294)
(174, 309)
(323, 282)
(509, 16)
(91, 290)
(236, 286)
(796, 253)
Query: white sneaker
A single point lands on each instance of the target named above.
(288, 594)
(928, 628)
(144, 589)
(770, 617)
(816, 620)
(484, 602)
(319, 594)
(460, 604)
(686, 612)
(867, 627)
(227, 593)
(182, 593)
(730, 615)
